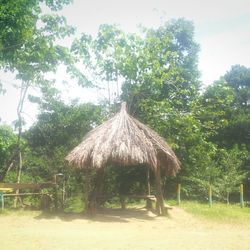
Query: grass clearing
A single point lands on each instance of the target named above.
(133, 228)
(219, 212)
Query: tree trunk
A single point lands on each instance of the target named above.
(117, 85)
(6, 171)
(24, 89)
(18, 178)
(109, 96)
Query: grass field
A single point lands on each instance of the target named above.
(190, 226)
(219, 212)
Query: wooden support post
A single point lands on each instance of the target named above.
(63, 193)
(241, 196)
(56, 197)
(148, 182)
(122, 200)
(178, 193)
(159, 196)
(210, 195)
(55, 192)
(99, 186)
(87, 194)
(148, 201)
(2, 200)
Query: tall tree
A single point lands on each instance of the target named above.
(28, 47)
(215, 111)
(238, 130)
(239, 79)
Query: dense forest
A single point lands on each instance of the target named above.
(155, 71)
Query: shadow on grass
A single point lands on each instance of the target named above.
(103, 215)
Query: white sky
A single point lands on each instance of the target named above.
(222, 29)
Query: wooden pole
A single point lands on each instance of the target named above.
(210, 195)
(63, 192)
(87, 192)
(122, 200)
(55, 193)
(148, 201)
(178, 193)
(99, 186)
(148, 182)
(24, 89)
(2, 201)
(159, 195)
(241, 196)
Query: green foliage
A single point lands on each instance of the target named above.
(232, 175)
(74, 204)
(8, 144)
(125, 180)
(216, 108)
(27, 36)
(237, 131)
(59, 128)
(239, 79)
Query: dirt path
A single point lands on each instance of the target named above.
(116, 229)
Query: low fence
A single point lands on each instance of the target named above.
(8, 189)
(210, 195)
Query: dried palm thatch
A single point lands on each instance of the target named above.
(123, 140)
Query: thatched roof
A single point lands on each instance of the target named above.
(124, 141)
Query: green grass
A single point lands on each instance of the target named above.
(219, 212)
(75, 205)
(19, 212)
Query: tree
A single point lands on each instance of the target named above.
(230, 162)
(168, 68)
(26, 31)
(101, 58)
(215, 111)
(58, 129)
(28, 48)
(239, 79)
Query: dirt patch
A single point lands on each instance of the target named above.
(118, 229)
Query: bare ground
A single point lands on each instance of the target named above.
(117, 229)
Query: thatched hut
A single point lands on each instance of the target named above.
(123, 140)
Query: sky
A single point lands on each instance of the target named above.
(222, 29)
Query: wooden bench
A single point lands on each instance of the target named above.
(149, 199)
